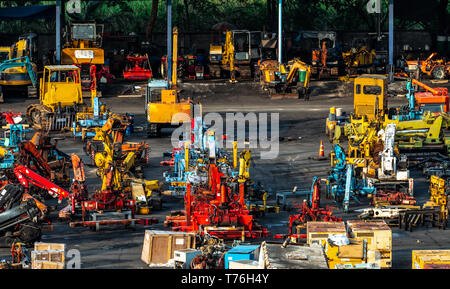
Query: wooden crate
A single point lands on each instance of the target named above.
(421, 259)
(47, 265)
(378, 236)
(159, 246)
(318, 232)
(48, 255)
(38, 246)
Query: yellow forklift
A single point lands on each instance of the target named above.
(163, 106)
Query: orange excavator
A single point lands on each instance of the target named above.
(437, 68)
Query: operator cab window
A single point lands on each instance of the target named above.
(358, 89)
(4, 55)
(61, 76)
(433, 107)
(372, 89)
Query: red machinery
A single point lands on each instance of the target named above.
(219, 210)
(103, 201)
(9, 117)
(310, 211)
(27, 177)
(388, 198)
(137, 68)
(432, 97)
(56, 171)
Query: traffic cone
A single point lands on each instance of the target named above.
(321, 151)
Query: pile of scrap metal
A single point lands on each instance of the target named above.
(44, 158)
(212, 254)
(310, 210)
(373, 163)
(21, 215)
(189, 161)
(290, 80)
(217, 209)
(405, 214)
(39, 153)
(113, 204)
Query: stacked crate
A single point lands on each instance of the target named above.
(48, 256)
(319, 232)
(378, 236)
(430, 259)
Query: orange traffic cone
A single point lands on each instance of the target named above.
(321, 151)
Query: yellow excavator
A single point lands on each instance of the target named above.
(285, 80)
(17, 78)
(234, 55)
(163, 106)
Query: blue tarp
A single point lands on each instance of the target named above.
(28, 12)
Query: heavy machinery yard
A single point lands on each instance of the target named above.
(301, 130)
(196, 141)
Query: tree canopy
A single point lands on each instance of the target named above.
(200, 15)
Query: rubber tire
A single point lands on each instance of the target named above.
(439, 72)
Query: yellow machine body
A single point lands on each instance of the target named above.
(438, 197)
(16, 76)
(83, 47)
(60, 85)
(164, 111)
(359, 57)
(370, 95)
(352, 254)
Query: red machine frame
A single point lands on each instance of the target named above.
(309, 211)
(217, 210)
(137, 70)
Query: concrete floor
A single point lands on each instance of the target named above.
(301, 130)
